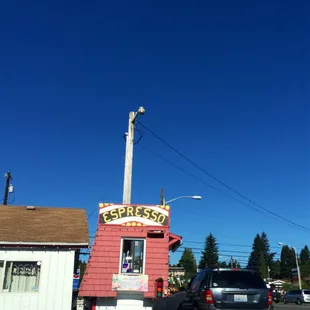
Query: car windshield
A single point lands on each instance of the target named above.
(237, 279)
(307, 292)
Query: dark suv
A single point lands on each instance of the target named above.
(212, 289)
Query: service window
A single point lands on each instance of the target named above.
(132, 255)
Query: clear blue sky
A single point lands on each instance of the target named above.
(225, 82)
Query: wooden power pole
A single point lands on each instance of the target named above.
(162, 197)
(129, 154)
(7, 187)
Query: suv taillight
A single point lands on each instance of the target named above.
(269, 298)
(209, 297)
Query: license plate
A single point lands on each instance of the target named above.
(240, 298)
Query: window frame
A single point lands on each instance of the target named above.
(198, 278)
(234, 273)
(121, 255)
(3, 276)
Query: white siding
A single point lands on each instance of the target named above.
(56, 279)
(125, 301)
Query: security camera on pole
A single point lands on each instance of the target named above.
(129, 154)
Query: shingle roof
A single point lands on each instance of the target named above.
(43, 225)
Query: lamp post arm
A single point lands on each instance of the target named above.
(177, 198)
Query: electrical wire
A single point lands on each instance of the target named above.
(231, 252)
(222, 183)
(220, 254)
(198, 179)
(141, 134)
(92, 212)
(219, 244)
(228, 244)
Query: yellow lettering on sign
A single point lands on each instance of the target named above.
(146, 213)
(161, 218)
(114, 214)
(130, 211)
(121, 211)
(138, 209)
(105, 216)
(154, 215)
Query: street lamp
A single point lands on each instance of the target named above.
(181, 197)
(297, 263)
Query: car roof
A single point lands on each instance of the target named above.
(227, 269)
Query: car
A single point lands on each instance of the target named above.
(170, 302)
(276, 296)
(226, 288)
(297, 296)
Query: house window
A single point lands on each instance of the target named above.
(132, 256)
(21, 277)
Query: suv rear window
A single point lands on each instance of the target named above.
(307, 292)
(237, 279)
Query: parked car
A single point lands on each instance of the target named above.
(171, 302)
(276, 296)
(297, 296)
(212, 289)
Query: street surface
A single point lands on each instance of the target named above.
(281, 306)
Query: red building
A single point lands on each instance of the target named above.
(130, 252)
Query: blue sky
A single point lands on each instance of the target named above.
(225, 82)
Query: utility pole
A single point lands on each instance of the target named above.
(129, 154)
(231, 262)
(298, 269)
(7, 187)
(162, 197)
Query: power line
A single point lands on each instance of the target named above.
(220, 254)
(221, 182)
(219, 244)
(231, 252)
(200, 180)
(228, 244)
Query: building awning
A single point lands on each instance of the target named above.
(174, 242)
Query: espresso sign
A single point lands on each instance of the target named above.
(146, 215)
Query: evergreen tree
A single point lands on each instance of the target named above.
(230, 264)
(305, 261)
(275, 269)
(224, 265)
(188, 261)
(261, 258)
(82, 266)
(269, 257)
(262, 267)
(209, 257)
(288, 262)
(236, 264)
(305, 255)
(254, 258)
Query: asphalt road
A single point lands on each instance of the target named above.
(281, 306)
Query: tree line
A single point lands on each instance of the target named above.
(261, 259)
